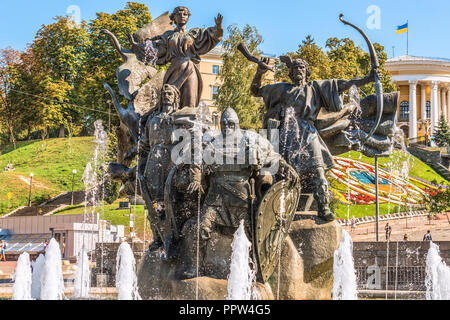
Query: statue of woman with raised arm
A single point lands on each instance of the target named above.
(182, 48)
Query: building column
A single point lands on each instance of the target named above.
(448, 104)
(423, 99)
(443, 103)
(434, 106)
(412, 109)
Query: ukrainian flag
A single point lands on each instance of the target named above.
(402, 29)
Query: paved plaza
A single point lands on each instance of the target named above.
(415, 227)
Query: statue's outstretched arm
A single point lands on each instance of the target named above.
(344, 85)
(116, 43)
(256, 83)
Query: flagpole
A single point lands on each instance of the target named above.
(407, 38)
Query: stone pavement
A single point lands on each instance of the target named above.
(414, 227)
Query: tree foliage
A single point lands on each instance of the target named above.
(341, 60)
(437, 201)
(237, 74)
(442, 133)
(58, 80)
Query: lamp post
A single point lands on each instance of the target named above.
(377, 205)
(74, 172)
(29, 195)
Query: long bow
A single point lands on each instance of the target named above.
(378, 84)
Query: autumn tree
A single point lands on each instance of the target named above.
(103, 59)
(9, 111)
(62, 50)
(236, 76)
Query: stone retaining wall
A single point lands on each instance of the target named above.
(406, 270)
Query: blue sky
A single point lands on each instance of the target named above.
(283, 24)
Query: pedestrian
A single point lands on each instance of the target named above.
(45, 246)
(388, 229)
(405, 237)
(427, 236)
(353, 223)
(2, 250)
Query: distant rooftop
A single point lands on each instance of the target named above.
(408, 58)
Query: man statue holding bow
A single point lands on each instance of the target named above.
(294, 109)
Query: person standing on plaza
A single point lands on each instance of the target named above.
(2, 250)
(353, 224)
(427, 236)
(388, 229)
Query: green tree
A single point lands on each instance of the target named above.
(62, 49)
(237, 74)
(103, 59)
(442, 133)
(342, 60)
(9, 111)
(437, 201)
(309, 51)
(25, 90)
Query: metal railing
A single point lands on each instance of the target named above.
(411, 278)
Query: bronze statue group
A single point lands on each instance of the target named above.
(196, 180)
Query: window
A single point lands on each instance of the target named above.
(404, 111)
(428, 110)
(215, 92)
(215, 69)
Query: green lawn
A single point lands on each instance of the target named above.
(117, 217)
(343, 211)
(51, 161)
(417, 168)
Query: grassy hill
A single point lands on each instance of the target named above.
(51, 161)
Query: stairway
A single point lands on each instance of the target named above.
(430, 158)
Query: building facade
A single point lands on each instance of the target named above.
(210, 67)
(424, 85)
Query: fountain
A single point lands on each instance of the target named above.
(437, 279)
(241, 276)
(344, 284)
(126, 280)
(52, 282)
(82, 276)
(38, 266)
(22, 278)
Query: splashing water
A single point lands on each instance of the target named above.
(22, 278)
(38, 266)
(126, 280)
(82, 276)
(344, 284)
(437, 280)
(241, 274)
(52, 282)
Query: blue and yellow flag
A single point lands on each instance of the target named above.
(402, 29)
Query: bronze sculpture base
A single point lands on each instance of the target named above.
(306, 270)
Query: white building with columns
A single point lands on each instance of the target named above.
(424, 85)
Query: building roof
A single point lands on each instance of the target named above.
(416, 59)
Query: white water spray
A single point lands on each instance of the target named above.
(52, 282)
(82, 276)
(38, 266)
(126, 280)
(22, 278)
(344, 284)
(437, 278)
(241, 275)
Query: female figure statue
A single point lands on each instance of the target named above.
(182, 49)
